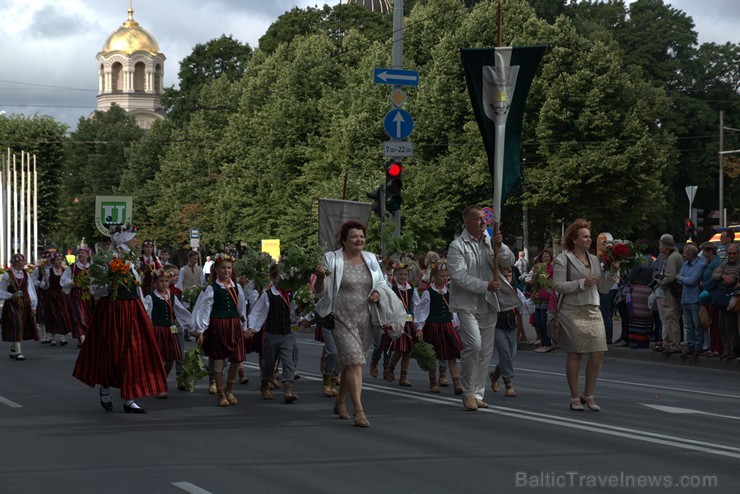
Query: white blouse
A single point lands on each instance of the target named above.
(204, 305)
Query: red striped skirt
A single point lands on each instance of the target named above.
(17, 321)
(224, 339)
(403, 343)
(169, 348)
(81, 313)
(58, 312)
(120, 351)
(444, 338)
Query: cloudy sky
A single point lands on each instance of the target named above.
(47, 43)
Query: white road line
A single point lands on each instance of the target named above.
(11, 404)
(191, 488)
(631, 383)
(606, 429)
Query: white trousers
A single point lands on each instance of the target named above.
(477, 332)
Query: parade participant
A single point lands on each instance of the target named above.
(191, 274)
(474, 296)
(437, 321)
(354, 274)
(251, 295)
(402, 346)
(578, 278)
(120, 350)
(37, 275)
(164, 256)
(276, 311)
(57, 304)
(149, 263)
(19, 306)
(80, 297)
(219, 317)
(165, 310)
(506, 339)
(173, 277)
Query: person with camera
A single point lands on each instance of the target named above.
(671, 300)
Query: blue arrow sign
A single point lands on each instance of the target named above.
(396, 76)
(398, 124)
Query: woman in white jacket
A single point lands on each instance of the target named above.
(343, 283)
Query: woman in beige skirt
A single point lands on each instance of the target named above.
(578, 279)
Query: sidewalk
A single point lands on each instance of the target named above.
(646, 354)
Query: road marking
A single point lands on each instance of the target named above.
(678, 410)
(191, 488)
(606, 429)
(630, 383)
(11, 404)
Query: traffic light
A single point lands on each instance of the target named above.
(376, 196)
(393, 186)
(697, 217)
(688, 228)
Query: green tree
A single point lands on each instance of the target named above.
(44, 137)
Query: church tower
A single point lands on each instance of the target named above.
(380, 6)
(131, 73)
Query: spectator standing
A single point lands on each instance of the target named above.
(671, 295)
(689, 278)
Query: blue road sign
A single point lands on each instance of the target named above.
(396, 76)
(398, 124)
(195, 233)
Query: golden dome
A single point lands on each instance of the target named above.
(130, 38)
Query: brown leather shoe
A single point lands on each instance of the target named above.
(469, 403)
(265, 390)
(373, 369)
(388, 374)
(481, 404)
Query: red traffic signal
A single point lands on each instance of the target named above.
(394, 169)
(393, 186)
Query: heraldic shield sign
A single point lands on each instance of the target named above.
(112, 210)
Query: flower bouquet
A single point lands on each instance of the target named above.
(190, 296)
(297, 265)
(305, 300)
(539, 278)
(82, 282)
(255, 266)
(425, 355)
(109, 268)
(624, 252)
(193, 369)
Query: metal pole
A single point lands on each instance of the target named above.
(8, 204)
(29, 216)
(395, 216)
(2, 217)
(35, 244)
(16, 247)
(722, 221)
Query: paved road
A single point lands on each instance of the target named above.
(57, 438)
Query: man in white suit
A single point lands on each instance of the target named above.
(474, 296)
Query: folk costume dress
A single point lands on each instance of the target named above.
(410, 299)
(148, 265)
(17, 319)
(57, 304)
(220, 314)
(82, 307)
(437, 321)
(165, 309)
(36, 277)
(120, 350)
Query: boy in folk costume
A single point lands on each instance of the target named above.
(166, 310)
(80, 296)
(276, 311)
(19, 306)
(57, 304)
(120, 350)
(219, 318)
(149, 263)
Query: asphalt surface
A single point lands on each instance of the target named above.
(660, 424)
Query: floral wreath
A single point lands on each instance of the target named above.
(18, 258)
(404, 263)
(148, 243)
(158, 273)
(223, 256)
(439, 265)
(120, 228)
(56, 255)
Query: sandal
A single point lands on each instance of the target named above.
(341, 411)
(361, 419)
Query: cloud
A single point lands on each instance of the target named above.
(51, 22)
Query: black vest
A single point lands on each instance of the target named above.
(439, 311)
(278, 317)
(162, 315)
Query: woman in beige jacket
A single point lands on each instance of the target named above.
(578, 279)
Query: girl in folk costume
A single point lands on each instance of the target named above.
(120, 350)
(76, 278)
(219, 317)
(57, 307)
(149, 263)
(402, 345)
(19, 306)
(433, 314)
(37, 275)
(165, 309)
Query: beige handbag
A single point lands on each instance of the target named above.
(705, 316)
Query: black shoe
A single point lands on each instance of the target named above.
(129, 409)
(107, 405)
(63, 343)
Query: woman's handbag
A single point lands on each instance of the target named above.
(734, 303)
(705, 317)
(327, 322)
